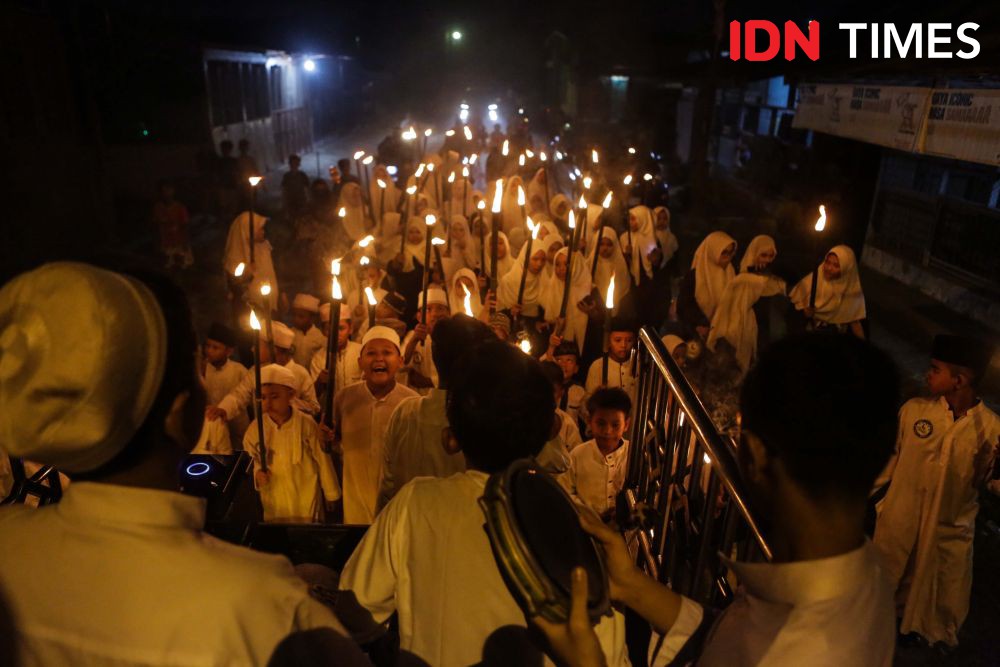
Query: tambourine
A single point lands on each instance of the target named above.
(537, 542)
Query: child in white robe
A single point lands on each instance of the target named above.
(300, 483)
(347, 370)
(598, 466)
(361, 414)
(308, 338)
(221, 375)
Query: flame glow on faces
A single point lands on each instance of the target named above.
(468, 133)
(370, 295)
(429, 220)
(412, 190)
(607, 201)
(467, 301)
(609, 300)
(254, 322)
(265, 289)
(254, 180)
(520, 196)
(437, 241)
(342, 212)
(368, 160)
(358, 155)
(366, 241)
(525, 346)
(505, 151)
(498, 196)
(571, 220)
(821, 221)
(335, 290)
(380, 182)
(239, 269)
(627, 180)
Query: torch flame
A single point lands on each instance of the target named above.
(412, 190)
(520, 196)
(467, 302)
(498, 196)
(472, 158)
(582, 203)
(366, 241)
(254, 180)
(631, 150)
(609, 300)
(358, 155)
(481, 205)
(437, 241)
(420, 170)
(506, 148)
(335, 267)
(529, 152)
(380, 182)
(450, 133)
(534, 229)
(821, 222)
(428, 132)
(335, 291)
(265, 289)
(593, 155)
(607, 201)
(572, 219)
(525, 346)
(254, 322)
(542, 156)
(368, 160)
(430, 167)
(520, 160)
(342, 212)
(429, 219)
(451, 177)
(587, 181)
(370, 295)
(647, 177)
(239, 269)
(365, 260)
(468, 133)
(465, 172)
(627, 180)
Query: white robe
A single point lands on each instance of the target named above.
(428, 558)
(595, 478)
(119, 575)
(241, 396)
(218, 383)
(735, 319)
(840, 301)
(710, 278)
(237, 252)
(307, 344)
(926, 523)
(361, 420)
(302, 474)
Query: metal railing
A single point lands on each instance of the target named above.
(683, 488)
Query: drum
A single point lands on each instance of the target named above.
(537, 541)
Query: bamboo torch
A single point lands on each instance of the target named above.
(257, 412)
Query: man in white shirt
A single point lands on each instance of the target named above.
(824, 601)
(417, 437)
(360, 415)
(348, 352)
(308, 339)
(237, 400)
(946, 451)
(119, 572)
(598, 467)
(427, 557)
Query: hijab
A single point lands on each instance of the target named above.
(511, 209)
(615, 266)
(759, 244)
(558, 201)
(536, 187)
(710, 278)
(510, 284)
(665, 237)
(734, 317)
(461, 249)
(643, 242)
(457, 294)
(376, 194)
(839, 301)
(238, 251)
(354, 221)
(579, 288)
(504, 264)
(413, 253)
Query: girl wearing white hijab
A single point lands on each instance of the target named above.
(559, 207)
(575, 328)
(734, 318)
(505, 259)
(643, 242)
(461, 251)
(702, 287)
(664, 236)
(460, 201)
(510, 284)
(610, 262)
(512, 218)
(536, 192)
(456, 292)
(594, 223)
(840, 302)
(355, 224)
(238, 252)
(552, 243)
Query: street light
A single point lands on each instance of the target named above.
(456, 35)
(309, 65)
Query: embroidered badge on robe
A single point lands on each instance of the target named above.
(922, 428)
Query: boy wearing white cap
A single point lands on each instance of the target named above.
(417, 345)
(114, 570)
(347, 369)
(308, 339)
(361, 415)
(237, 400)
(298, 471)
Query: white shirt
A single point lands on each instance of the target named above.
(428, 558)
(218, 383)
(116, 575)
(414, 445)
(308, 344)
(573, 398)
(347, 372)
(361, 420)
(831, 612)
(241, 396)
(619, 375)
(302, 474)
(595, 478)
